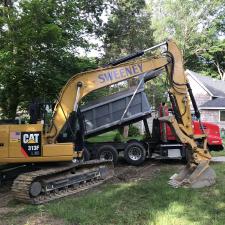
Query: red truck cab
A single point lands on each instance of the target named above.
(214, 140)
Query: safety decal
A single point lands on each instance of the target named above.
(15, 136)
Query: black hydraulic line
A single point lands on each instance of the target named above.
(175, 108)
(197, 113)
(79, 134)
(152, 74)
(124, 59)
(170, 55)
(134, 55)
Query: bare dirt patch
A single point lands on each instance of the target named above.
(148, 170)
(9, 214)
(135, 173)
(35, 219)
(5, 195)
(43, 219)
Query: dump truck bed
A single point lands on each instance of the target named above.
(116, 110)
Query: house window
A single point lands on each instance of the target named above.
(222, 115)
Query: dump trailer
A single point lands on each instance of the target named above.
(115, 111)
(109, 113)
(127, 107)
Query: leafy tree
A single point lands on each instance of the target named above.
(38, 47)
(213, 58)
(156, 91)
(212, 48)
(128, 29)
(190, 24)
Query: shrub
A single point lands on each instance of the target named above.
(118, 137)
(133, 131)
(146, 136)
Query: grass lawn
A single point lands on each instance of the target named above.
(220, 153)
(150, 202)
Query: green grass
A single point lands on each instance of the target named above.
(220, 153)
(103, 137)
(109, 136)
(151, 202)
(148, 202)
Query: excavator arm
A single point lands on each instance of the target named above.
(197, 172)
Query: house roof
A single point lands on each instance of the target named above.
(216, 88)
(217, 103)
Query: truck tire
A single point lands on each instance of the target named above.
(135, 153)
(108, 152)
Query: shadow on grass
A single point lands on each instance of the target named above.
(146, 202)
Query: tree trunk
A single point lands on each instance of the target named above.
(125, 131)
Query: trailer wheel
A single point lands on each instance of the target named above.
(135, 153)
(108, 152)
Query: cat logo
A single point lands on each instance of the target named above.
(31, 144)
(30, 138)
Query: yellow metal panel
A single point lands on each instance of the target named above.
(15, 146)
(36, 159)
(26, 127)
(62, 149)
(50, 153)
(4, 141)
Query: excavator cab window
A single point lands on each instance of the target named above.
(40, 113)
(73, 130)
(34, 112)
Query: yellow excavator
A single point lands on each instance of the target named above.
(46, 168)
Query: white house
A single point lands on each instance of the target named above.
(210, 97)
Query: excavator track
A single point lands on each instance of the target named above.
(48, 184)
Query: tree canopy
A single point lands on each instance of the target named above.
(197, 27)
(40, 40)
(128, 29)
(38, 47)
